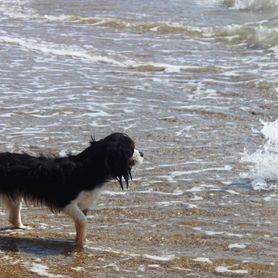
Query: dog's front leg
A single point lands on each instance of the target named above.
(80, 222)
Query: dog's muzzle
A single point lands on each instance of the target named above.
(137, 158)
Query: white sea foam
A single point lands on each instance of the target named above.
(226, 269)
(154, 266)
(264, 34)
(261, 35)
(196, 198)
(275, 50)
(92, 56)
(203, 260)
(59, 50)
(252, 34)
(232, 192)
(236, 246)
(182, 173)
(215, 233)
(175, 203)
(255, 4)
(163, 258)
(16, 9)
(42, 270)
(203, 187)
(263, 162)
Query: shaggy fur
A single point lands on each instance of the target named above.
(69, 184)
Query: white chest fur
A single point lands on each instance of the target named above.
(86, 199)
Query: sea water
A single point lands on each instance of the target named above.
(194, 83)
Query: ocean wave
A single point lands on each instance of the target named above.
(16, 9)
(130, 25)
(92, 56)
(263, 162)
(58, 50)
(254, 5)
(262, 34)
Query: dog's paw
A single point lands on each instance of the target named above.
(23, 227)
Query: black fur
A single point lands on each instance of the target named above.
(56, 181)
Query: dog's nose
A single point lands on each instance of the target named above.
(141, 154)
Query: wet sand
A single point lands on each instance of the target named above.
(173, 235)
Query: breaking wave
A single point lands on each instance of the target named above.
(92, 56)
(263, 162)
(252, 5)
(259, 35)
(255, 5)
(263, 34)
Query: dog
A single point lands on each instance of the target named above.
(69, 184)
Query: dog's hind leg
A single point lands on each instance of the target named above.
(14, 207)
(80, 222)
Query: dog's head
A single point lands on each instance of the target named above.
(121, 155)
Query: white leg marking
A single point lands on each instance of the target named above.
(14, 207)
(80, 222)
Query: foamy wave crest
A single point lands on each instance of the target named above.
(58, 50)
(263, 35)
(20, 12)
(130, 25)
(255, 4)
(263, 163)
(92, 56)
(16, 9)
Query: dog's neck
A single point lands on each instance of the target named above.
(90, 168)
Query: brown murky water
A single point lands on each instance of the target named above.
(195, 84)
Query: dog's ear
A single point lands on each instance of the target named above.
(117, 163)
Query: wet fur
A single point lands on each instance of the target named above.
(69, 184)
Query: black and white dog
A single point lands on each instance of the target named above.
(69, 184)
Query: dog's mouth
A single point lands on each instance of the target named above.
(135, 159)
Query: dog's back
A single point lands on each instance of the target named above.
(14, 169)
(41, 180)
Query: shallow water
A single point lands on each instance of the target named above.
(195, 84)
